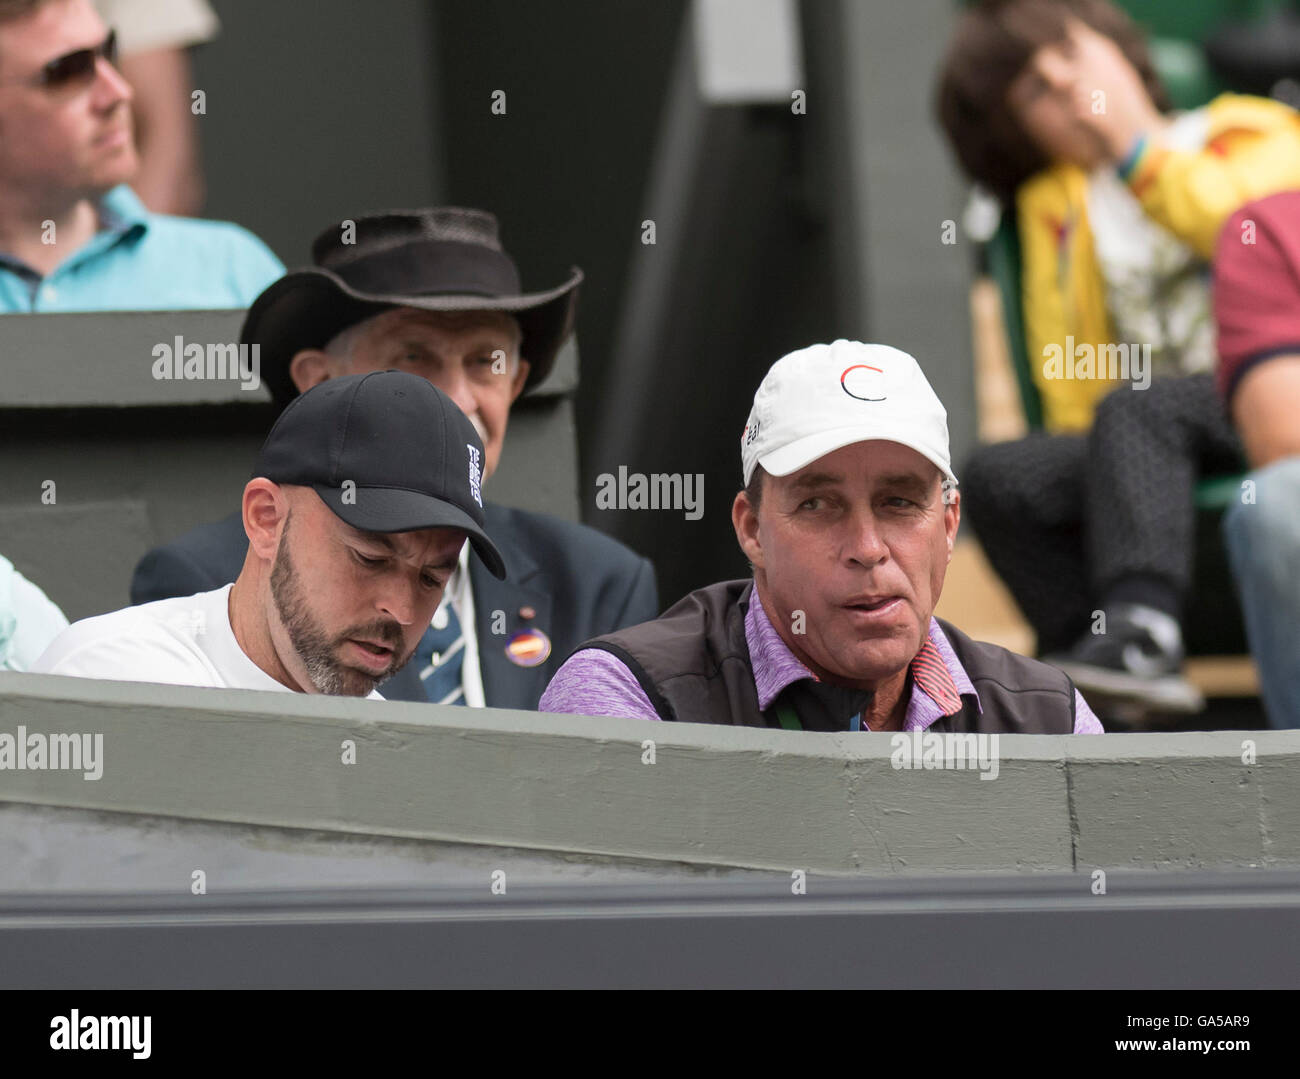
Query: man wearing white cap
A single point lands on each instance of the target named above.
(848, 517)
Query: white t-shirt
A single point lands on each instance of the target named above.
(185, 641)
(1157, 287)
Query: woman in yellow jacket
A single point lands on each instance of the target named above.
(1054, 106)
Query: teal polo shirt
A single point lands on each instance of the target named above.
(141, 261)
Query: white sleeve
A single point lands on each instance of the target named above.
(37, 621)
(142, 652)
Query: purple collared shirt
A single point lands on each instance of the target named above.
(594, 682)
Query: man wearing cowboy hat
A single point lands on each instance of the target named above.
(848, 517)
(433, 293)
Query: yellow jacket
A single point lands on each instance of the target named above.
(1252, 150)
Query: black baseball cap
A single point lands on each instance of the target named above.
(387, 451)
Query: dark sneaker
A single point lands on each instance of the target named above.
(1139, 658)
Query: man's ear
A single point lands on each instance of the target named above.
(265, 508)
(521, 376)
(744, 519)
(310, 367)
(951, 516)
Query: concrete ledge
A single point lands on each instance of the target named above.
(106, 358)
(100, 359)
(714, 796)
(77, 853)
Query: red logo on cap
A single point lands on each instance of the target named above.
(859, 367)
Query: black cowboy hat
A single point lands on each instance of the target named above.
(440, 259)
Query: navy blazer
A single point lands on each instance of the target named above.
(579, 583)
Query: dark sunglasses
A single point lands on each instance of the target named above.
(77, 68)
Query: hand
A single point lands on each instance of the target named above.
(1112, 101)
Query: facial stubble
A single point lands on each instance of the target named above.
(317, 650)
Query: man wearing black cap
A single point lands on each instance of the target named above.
(433, 293)
(349, 548)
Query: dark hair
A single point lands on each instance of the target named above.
(993, 42)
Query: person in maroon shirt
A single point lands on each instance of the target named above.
(1257, 309)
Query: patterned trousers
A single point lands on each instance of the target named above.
(1071, 522)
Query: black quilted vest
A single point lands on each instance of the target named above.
(693, 663)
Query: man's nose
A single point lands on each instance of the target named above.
(453, 381)
(865, 544)
(399, 601)
(110, 87)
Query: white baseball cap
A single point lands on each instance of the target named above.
(816, 400)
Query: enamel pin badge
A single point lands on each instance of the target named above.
(528, 648)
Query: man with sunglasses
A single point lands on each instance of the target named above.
(73, 236)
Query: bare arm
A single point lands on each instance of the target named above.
(1264, 409)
